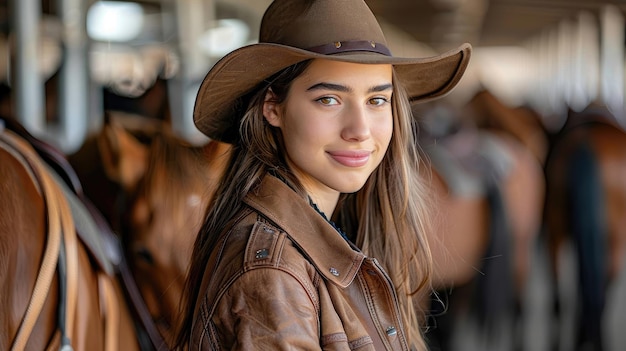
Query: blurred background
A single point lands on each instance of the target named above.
(540, 68)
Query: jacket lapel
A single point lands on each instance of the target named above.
(317, 239)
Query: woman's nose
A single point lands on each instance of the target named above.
(356, 126)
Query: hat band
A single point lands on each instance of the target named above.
(353, 45)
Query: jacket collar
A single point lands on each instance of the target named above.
(332, 256)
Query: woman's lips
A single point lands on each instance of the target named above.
(351, 158)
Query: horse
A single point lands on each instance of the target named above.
(585, 223)
(102, 187)
(58, 285)
(164, 185)
(489, 190)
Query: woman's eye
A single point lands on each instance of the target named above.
(377, 101)
(327, 100)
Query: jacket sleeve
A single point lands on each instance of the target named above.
(268, 308)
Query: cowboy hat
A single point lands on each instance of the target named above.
(296, 30)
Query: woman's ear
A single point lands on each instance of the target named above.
(271, 109)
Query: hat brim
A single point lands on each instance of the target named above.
(237, 73)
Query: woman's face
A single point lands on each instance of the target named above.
(337, 123)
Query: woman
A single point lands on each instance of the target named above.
(319, 118)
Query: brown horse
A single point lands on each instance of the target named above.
(464, 208)
(166, 186)
(57, 285)
(585, 207)
(489, 188)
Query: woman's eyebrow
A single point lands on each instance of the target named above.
(329, 86)
(345, 89)
(379, 88)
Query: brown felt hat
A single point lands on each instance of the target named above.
(296, 30)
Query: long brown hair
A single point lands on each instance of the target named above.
(388, 215)
(258, 152)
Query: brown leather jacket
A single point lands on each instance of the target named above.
(284, 279)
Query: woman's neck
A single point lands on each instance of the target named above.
(325, 201)
(323, 196)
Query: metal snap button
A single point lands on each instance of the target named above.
(334, 271)
(263, 253)
(391, 331)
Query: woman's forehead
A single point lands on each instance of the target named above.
(352, 74)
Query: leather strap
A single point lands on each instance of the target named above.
(110, 310)
(50, 256)
(350, 46)
(71, 253)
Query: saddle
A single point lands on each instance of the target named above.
(90, 226)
